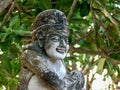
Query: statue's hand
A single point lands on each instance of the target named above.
(52, 78)
(74, 80)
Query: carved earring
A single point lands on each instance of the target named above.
(41, 42)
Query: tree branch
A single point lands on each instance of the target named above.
(100, 53)
(110, 17)
(8, 13)
(71, 9)
(85, 70)
(22, 10)
(4, 4)
(106, 13)
(102, 24)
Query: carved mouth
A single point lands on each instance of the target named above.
(61, 50)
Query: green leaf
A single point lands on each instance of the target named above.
(6, 29)
(4, 46)
(79, 21)
(14, 50)
(3, 36)
(99, 41)
(100, 66)
(10, 67)
(84, 9)
(22, 33)
(7, 66)
(13, 21)
(15, 70)
(44, 4)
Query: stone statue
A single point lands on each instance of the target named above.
(43, 65)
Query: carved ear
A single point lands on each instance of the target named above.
(41, 43)
(39, 35)
(40, 38)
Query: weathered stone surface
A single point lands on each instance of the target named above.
(43, 59)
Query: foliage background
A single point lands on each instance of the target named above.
(94, 38)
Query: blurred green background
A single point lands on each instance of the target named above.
(94, 38)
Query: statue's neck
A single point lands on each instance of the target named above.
(59, 67)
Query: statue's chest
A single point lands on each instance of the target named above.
(59, 69)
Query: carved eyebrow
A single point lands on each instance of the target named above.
(59, 34)
(54, 35)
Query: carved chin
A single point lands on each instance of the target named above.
(61, 50)
(56, 54)
(59, 56)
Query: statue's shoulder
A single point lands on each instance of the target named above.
(31, 50)
(33, 54)
(28, 55)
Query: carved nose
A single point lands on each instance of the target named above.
(62, 43)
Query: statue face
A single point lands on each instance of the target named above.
(56, 45)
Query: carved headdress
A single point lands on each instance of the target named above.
(48, 21)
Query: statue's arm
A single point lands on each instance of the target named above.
(32, 61)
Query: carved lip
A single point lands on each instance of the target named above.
(61, 50)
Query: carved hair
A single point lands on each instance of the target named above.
(51, 20)
(51, 16)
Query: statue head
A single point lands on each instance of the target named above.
(50, 30)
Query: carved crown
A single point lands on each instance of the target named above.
(51, 16)
(51, 20)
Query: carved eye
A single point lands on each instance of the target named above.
(66, 40)
(55, 38)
